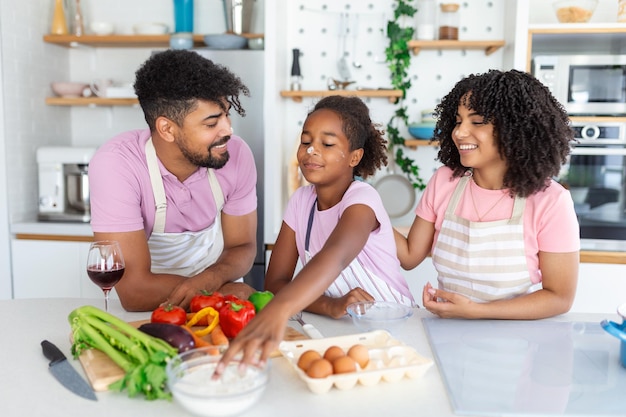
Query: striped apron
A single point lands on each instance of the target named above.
(185, 253)
(355, 275)
(484, 261)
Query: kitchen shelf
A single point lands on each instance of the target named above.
(126, 40)
(90, 101)
(392, 95)
(488, 46)
(415, 143)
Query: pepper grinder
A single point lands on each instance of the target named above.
(296, 76)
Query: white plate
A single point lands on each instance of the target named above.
(397, 193)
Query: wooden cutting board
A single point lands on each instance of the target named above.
(101, 371)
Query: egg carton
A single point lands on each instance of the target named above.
(390, 360)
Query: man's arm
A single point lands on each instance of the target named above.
(235, 261)
(140, 289)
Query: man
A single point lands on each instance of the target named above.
(180, 196)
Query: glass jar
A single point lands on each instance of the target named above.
(425, 20)
(449, 21)
(621, 11)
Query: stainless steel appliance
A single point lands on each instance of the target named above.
(64, 183)
(595, 175)
(592, 85)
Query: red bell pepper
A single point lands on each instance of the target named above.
(234, 316)
(206, 299)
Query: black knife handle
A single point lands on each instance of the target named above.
(52, 352)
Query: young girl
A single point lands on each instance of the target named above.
(503, 235)
(337, 226)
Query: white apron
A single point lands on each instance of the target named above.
(185, 253)
(484, 261)
(355, 275)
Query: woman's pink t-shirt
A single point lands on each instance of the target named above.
(550, 223)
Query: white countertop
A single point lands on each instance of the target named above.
(26, 386)
(52, 228)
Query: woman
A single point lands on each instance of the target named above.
(503, 235)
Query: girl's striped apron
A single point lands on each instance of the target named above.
(484, 261)
(355, 275)
(185, 253)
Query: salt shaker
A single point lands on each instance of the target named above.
(449, 21)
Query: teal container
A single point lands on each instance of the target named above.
(183, 16)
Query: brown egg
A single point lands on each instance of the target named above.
(306, 358)
(360, 354)
(320, 368)
(333, 353)
(344, 365)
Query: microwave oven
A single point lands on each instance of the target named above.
(586, 85)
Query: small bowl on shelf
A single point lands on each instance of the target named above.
(68, 89)
(424, 131)
(189, 378)
(225, 41)
(574, 11)
(102, 28)
(378, 315)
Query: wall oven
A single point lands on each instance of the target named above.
(595, 175)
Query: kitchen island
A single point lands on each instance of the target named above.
(27, 387)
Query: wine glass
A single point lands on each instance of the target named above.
(105, 266)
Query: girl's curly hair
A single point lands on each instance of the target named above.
(531, 128)
(360, 131)
(171, 82)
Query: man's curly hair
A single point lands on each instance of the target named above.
(170, 83)
(360, 131)
(531, 128)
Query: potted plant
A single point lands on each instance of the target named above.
(398, 59)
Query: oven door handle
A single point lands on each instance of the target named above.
(598, 151)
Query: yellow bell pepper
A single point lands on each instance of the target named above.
(213, 318)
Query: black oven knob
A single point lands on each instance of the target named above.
(590, 132)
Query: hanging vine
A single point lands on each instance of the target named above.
(398, 58)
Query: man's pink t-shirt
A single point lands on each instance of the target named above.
(379, 253)
(550, 223)
(121, 192)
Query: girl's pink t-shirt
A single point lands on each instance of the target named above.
(550, 223)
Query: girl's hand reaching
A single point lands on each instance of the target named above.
(446, 304)
(338, 305)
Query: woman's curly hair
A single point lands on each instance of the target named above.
(171, 82)
(360, 131)
(531, 128)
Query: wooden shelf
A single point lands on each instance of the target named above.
(414, 143)
(392, 95)
(488, 46)
(90, 101)
(126, 40)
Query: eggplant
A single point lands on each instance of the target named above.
(173, 334)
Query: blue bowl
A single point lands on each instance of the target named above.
(422, 130)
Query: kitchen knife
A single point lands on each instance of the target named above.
(65, 373)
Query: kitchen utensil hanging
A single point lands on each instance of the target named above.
(354, 31)
(342, 64)
(396, 192)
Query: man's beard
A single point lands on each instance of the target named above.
(208, 161)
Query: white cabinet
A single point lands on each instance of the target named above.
(601, 287)
(51, 268)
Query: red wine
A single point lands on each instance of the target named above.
(105, 279)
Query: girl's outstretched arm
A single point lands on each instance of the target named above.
(413, 248)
